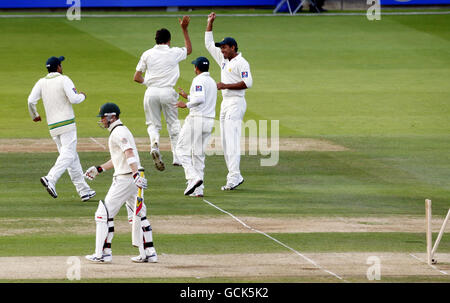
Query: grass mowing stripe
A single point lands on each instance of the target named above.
(69, 244)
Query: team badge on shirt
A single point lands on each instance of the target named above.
(198, 88)
(244, 74)
(75, 90)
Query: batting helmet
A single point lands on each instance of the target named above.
(109, 108)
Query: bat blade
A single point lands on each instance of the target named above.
(136, 233)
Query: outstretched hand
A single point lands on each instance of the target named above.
(181, 104)
(182, 93)
(184, 22)
(211, 17)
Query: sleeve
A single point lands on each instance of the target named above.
(246, 75)
(142, 65)
(197, 95)
(71, 92)
(212, 49)
(123, 141)
(33, 99)
(180, 53)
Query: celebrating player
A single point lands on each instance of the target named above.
(160, 65)
(124, 189)
(235, 79)
(197, 127)
(58, 93)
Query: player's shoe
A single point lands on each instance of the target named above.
(91, 193)
(50, 187)
(105, 258)
(231, 186)
(198, 193)
(157, 158)
(176, 162)
(192, 185)
(150, 256)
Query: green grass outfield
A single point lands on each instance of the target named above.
(381, 89)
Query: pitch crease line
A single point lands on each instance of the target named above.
(95, 141)
(277, 241)
(432, 266)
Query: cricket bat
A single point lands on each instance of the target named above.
(136, 233)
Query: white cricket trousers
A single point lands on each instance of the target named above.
(191, 146)
(68, 160)
(232, 112)
(122, 190)
(157, 100)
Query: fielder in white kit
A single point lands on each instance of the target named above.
(58, 93)
(197, 127)
(235, 79)
(160, 65)
(124, 189)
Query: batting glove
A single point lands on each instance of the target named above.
(140, 181)
(92, 172)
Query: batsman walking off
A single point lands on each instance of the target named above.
(160, 65)
(58, 93)
(235, 79)
(124, 189)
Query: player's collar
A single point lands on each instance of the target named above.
(114, 124)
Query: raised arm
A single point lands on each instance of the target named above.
(209, 40)
(184, 27)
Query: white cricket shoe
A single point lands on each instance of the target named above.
(50, 187)
(231, 186)
(157, 158)
(91, 193)
(192, 185)
(105, 258)
(198, 192)
(150, 256)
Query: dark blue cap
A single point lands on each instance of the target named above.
(228, 40)
(54, 61)
(202, 63)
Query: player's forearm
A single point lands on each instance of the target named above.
(209, 26)
(107, 165)
(187, 41)
(232, 86)
(131, 160)
(32, 110)
(138, 77)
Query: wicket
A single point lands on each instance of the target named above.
(431, 249)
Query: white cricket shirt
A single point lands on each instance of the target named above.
(58, 93)
(121, 139)
(232, 71)
(160, 65)
(202, 96)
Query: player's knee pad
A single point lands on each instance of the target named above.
(101, 215)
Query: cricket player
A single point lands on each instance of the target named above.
(235, 79)
(197, 127)
(58, 93)
(124, 188)
(160, 65)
